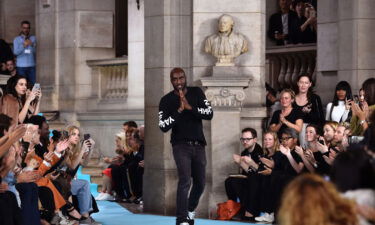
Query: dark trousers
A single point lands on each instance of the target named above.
(136, 179)
(48, 203)
(191, 163)
(120, 180)
(10, 214)
(29, 203)
(236, 188)
(28, 73)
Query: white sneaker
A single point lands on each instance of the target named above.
(100, 196)
(107, 197)
(184, 223)
(191, 215)
(262, 217)
(270, 218)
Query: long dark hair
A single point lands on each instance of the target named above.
(369, 88)
(11, 87)
(342, 85)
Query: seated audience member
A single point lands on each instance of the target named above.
(18, 102)
(339, 143)
(309, 104)
(78, 154)
(10, 68)
(287, 117)
(106, 194)
(120, 172)
(128, 124)
(354, 176)
(265, 202)
(339, 109)
(136, 166)
(235, 186)
(283, 24)
(310, 200)
(362, 111)
(311, 156)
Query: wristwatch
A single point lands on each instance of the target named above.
(362, 122)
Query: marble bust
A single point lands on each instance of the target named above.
(226, 45)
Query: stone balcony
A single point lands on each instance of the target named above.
(109, 84)
(285, 63)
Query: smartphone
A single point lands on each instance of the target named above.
(36, 87)
(356, 99)
(86, 137)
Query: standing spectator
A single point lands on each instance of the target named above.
(183, 110)
(24, 48)
(10, 67)
(287, 116)
(283, 25)
(361, 112)
(309, 104)
(339, 109)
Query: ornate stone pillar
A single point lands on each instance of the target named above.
(226, 94)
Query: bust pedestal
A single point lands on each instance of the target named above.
(225, 92)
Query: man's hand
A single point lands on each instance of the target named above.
(236, 158)
(183, 102)
(141, 164)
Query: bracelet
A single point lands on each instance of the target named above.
(362, 122)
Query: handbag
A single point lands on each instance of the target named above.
(226, 210)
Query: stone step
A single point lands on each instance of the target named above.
(96, 180)
(92, 171)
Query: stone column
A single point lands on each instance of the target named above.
(136, 55)
(226, 94)
(167, 45)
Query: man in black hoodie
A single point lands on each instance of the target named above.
(182, 110)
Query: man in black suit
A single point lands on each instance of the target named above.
(283, 27)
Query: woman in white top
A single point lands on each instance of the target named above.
(339, 109)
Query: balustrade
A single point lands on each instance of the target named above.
(110, 79)
(286, 63)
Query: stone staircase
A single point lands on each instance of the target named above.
(94, 168)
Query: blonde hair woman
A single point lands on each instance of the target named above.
(310, 200)
(287, 116)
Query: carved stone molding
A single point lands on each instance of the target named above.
(226, 91)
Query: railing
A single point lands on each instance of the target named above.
(286, 63)
(109, 79)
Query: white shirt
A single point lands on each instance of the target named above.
(339, 112)
(284, 19)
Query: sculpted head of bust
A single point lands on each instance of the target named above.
(226, 23)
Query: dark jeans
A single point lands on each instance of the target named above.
(120, 180)
(191, 163)
(236, 188)
(136, 179)
(29, 203)
(28, 72)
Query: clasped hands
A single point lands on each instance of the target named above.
(184, 104)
